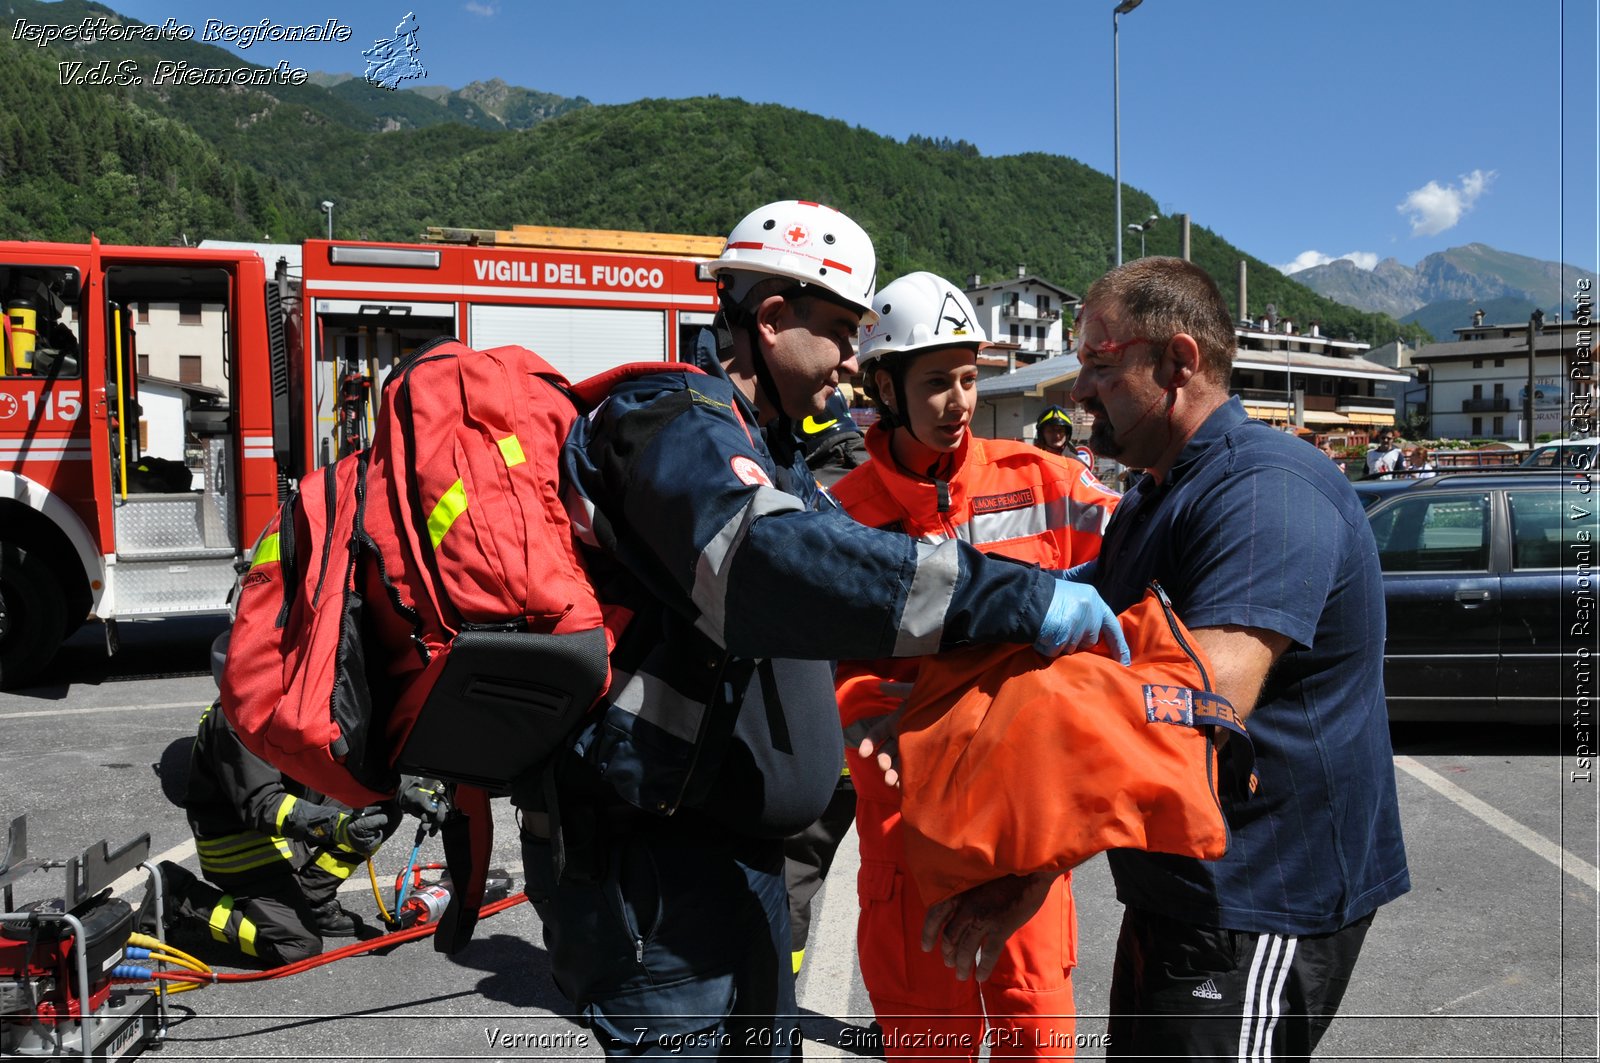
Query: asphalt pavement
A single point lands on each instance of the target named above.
(1492, 955)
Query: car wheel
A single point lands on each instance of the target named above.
(33, 615)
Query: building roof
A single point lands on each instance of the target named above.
(1030, 278)
(1247, 331)
(1315, 364)
(1544, 343)
(1030, 379)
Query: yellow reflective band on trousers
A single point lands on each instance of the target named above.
(334, 866)
(220, 917)
(511, 451)
(266, 550)
(247, 936)
(451, 506)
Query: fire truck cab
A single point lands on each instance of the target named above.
(111, 511)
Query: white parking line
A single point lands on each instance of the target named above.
(196, 704)
(137, 877)
(1531, 840)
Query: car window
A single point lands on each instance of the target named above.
(1568, 455)
(1547, 524)
(1543, 458)
(1433, 533)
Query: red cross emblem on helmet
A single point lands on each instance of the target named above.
(796, 236)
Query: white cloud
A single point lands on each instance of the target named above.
(1307, 259)
(1433, 208)
(486, 10)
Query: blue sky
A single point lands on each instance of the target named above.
(1299, 130)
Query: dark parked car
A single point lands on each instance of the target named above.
(1490, 583)
(1563, 453)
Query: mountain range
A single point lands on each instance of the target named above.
(147, 163)
(1443, 290)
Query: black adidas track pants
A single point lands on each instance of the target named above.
(1180, 991)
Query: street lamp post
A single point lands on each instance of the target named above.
(1116, 112)
(1535, 323)
(327, 208)
(1135, 227)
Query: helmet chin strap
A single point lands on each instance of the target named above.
(730, 317)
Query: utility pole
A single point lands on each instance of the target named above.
(1535, 323)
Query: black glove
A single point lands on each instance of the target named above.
(424, 798)
(359, 833)
(362, 832)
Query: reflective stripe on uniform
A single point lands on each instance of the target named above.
(1034, 520)
(658, 704)
(932, 587)
(219, 917)
(284, 808)
(247, 936)
(451, 506)
(235, 853)
(511, 451)
(266, 550)
(333, 865)
(712, 569)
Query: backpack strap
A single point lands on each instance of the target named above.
(591, 391)
(468, 840)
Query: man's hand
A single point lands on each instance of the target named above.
(972, 926)
(881, 743)
(361, 832)
(424, 798)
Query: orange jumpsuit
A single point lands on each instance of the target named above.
(1008, 498)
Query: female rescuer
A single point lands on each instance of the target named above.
(933, 479)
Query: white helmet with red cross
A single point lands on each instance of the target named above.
(920, 312)
(807, 242)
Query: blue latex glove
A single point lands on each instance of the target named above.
(1084, 573)
(1077, 619)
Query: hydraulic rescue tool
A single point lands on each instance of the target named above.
(60, 956)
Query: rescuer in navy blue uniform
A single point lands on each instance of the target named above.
(719, 733)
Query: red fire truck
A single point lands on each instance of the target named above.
(94, 526)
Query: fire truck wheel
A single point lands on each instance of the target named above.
(33, 615)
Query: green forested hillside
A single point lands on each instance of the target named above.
(144, 165)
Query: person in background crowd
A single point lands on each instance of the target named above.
(1385, 457)
(1052, 430)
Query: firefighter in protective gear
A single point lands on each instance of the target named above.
(273, 853)
(1052, 430)
(930, 476)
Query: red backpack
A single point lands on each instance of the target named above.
(420, 606)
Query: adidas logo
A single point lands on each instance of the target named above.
(1207, 990)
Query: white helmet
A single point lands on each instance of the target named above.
(808, 242)
(919, 312)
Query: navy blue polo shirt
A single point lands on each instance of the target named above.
(1257, 528)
